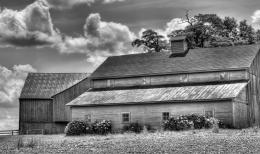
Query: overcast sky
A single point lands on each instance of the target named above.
(77, 35)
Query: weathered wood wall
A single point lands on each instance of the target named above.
(36, 110)
(61, 112)
(253, 94)
(51, 115)
(240, 110)
(152, 113)
(34, 113)
(193, 78)
(47, 127)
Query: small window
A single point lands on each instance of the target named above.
(125, 117)
(87, 118)
(209, 114)
(165, 116)
(110, 83)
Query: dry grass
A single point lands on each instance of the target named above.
(194, 141)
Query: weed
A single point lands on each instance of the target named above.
(20, 143)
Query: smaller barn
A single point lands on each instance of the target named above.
(149, 87)
(43, 98)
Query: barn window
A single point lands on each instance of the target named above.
(209, 114)
(110, 83)
(165, 116)
(125, 117)
(87, 118)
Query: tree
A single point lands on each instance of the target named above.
(230, 27)
(209, 30)
(246, 32)
(150, 39)
(258, 35)
(202, 28)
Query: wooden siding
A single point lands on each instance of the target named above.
(35, 114)
(61, 112)
(254, 91)
(240, 110)
(35, 110)
(208, 77)
(152, 113)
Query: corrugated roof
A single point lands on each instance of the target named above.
(185, 93)
(45, 85)
(201, 59)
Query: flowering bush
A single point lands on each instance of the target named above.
(199, 121)
(76, 128)
(133, 127)
(102, 127)
(180, 123)
(82, 127)
(193, 121)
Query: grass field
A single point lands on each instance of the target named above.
(200, 141)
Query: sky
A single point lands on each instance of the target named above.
(78, 35)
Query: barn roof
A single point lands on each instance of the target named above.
(197, 60)
(45, 85)
(169, 94)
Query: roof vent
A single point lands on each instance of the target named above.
(179, 46)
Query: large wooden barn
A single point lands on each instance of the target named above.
(150, 87)
(43, 101)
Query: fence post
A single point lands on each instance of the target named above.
(12, 133)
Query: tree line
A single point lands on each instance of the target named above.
(203, 31)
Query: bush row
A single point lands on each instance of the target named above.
(183, 122)
(192, 121)
(82, 127)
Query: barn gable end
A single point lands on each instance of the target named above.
(41, 100)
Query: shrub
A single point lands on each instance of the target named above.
(89, 129)
(102, 127)
(76, 128)
(199, 121)
(133, 127)
(192, 121)
(180, 123)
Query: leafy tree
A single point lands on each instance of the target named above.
(230, 27)
(258, 35)
(151, 40)
(202, 28)
(246, 32)
(209, 30)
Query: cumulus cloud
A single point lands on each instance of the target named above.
(11, 83)
(256, 19)
(100, 39)
(31, 26)
(174, 24)
(67, 4)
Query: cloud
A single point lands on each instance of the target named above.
(31, 26)
(256, 19)
(11, 83)
(67, 4)
(112, 1)
(174, 24)
(100, 39)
